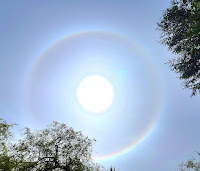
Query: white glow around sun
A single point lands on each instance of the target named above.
(95, 93)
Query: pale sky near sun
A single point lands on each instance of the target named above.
(144, 93)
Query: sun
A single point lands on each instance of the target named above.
(95, 93)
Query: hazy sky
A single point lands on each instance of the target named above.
(152, 125)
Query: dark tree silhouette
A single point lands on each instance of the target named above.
(192, 164)
(180, 31)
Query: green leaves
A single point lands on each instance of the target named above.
(57, 147)
(180, 31)
(7, 161)
(192, 164)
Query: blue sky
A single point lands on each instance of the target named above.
(29, 28)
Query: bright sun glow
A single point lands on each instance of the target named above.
(95, 93)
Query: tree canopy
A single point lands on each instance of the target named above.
(7, 161)
(57, 147)
(191, 164)
(180, 31)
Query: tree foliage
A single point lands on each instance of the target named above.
(7, 161)
(190, 165)
(57, 147)
(180, 31)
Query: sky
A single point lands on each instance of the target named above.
(48, 47)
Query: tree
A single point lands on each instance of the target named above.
(7, 161)
(189, 165)
(57, 147)
(180, 31)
